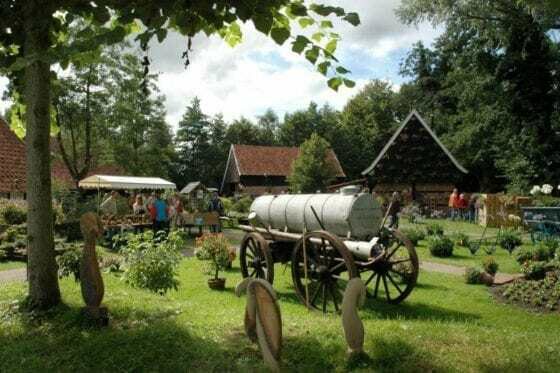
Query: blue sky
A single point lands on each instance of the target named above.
(257, 74)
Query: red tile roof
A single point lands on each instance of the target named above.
(12, 163)
(12, 160)
(273, 160)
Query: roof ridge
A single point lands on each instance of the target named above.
(413, 113)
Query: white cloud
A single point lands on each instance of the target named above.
(258, 74)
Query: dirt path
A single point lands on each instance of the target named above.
(499, 279)
(12, 275)
(20, 274)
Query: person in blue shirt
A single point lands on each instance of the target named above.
(161, 221)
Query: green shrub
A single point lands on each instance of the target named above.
(10, 235)
(462, 239)
(69, 263)
(13, 212)
(228, 204)
(538, 253)
(434, 229)
(534, 270)
(473, 247)
(242, 205)
(490, 265)
(472, 275)
(152, 264)
(440, 246)
(489, 250)
(509, 240)
(414, 235)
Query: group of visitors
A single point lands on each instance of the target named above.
(461, 207)
(164, 213)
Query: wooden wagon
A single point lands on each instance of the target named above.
(322, 262)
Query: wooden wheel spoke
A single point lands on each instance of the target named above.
(376, 286)
(252, 273)
(324, 298)
(370, 278)
(314, 296)
(394, 251)
(403, 275)
(337, 267)
(387, 295)
(394, 283)
(333, 293)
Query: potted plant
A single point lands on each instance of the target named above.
(214, 250)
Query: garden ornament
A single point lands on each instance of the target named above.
(354, 297)
(263, 322)
(90, 275)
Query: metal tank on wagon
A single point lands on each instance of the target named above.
(328, 239)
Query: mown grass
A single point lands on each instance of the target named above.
(444, 325)
(4, 266)
(461, 255)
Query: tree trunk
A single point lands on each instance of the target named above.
(42, 270)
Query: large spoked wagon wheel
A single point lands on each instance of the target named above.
(255, 258)
(394, 273)
(329, 266)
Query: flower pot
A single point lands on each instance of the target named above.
(217, 283)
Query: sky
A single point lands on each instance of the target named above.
(258, 74)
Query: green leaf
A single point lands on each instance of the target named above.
(312, 54)
(352, 18)
(280, 34)
(232, 35)
(298, 9)
(299, 45)
(318, 36)
(324, 10)
(342, 70)
(334, 83)
(323, 67)
(326, 24)
(331, 46)
(263, 22)
(349, 83)
(161, 34)
(307, 21)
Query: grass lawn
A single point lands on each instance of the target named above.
(461, 255)
(4, 266)
(444, 325)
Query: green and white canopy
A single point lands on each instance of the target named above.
(125, 182)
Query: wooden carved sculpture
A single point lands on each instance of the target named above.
(263, 322)
(90, 275)
(354, 297)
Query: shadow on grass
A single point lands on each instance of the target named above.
(396, 355)
(145, 341)
(375, 309)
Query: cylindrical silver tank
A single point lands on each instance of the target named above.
(348, 213)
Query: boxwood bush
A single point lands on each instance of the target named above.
(434, 229)
(414, 235)
(440, 246)
(472, 275)
(509, 240)
(490, 265)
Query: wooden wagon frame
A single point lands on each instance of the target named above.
(321, 263)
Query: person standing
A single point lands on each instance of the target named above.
(462, 205)
(216, 205)
(394, 210)
(161, 214)
(109, 205)
(453, 203)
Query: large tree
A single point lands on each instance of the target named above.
(33, 38)
(311, 170)
(493, 75)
